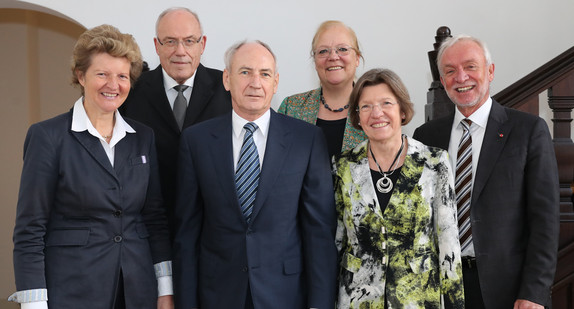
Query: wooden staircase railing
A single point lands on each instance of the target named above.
(556, 77)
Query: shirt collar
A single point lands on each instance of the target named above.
(169, 82)
(262, 122)
(479, 117)
(81, 122)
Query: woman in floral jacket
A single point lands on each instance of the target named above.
(397, 232)
(336, 54)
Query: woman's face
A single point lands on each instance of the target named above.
(334, 68)
(380, 114)
(106, 83)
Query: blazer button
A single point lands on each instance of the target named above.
(118, 238)
(244, 269)
(117, 213)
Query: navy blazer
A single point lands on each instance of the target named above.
(286, 255)
(148, 104)
(80, 220)
(514, 205)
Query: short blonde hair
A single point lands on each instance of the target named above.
(105, 39)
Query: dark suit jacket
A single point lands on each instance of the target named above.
(287, 253)
(514, 206)
(148, 103)
(80, 220)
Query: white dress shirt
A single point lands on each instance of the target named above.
(169, 83)
(259, 136)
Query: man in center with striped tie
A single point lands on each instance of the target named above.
(255, 207)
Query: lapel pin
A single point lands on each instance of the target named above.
(500, 135)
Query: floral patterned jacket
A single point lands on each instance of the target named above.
(305, 106)
(408, 257)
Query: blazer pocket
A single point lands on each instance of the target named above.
(142, 230)
(351, 262)
(141, 159)
(292, 266)
(68, 237)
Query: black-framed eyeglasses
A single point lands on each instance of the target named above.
(324, 52)
(173, 43)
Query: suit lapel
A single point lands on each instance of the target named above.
(495, 136)
(279, 140)
(443, 129)
(200, 95)
(94, 147)
(122, 151)
(156, 97)
(222, 150)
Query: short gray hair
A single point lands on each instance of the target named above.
(177, 8)
(449, 42)
(233, 49)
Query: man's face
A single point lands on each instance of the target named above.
(465, 75)
(251, 80)
(179, 61)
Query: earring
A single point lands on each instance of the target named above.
(359, 124)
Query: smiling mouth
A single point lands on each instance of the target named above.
(334, 68)
(464, 89)
(380, 125)
(109, 95)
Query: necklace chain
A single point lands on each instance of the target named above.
(385, 184)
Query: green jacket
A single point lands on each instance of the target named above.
(410, 255)
(305, 106)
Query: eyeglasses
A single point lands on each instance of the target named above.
(173, 43)
(369, 108)
(326, 51)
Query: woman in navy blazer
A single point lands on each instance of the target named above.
(90, 227)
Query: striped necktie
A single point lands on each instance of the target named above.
(463, 185)
(247, 173)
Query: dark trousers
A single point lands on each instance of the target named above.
(472, 294)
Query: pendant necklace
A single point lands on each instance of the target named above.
(385, 184)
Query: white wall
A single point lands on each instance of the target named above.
(522, 35)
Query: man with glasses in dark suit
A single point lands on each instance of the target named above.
(180, 92)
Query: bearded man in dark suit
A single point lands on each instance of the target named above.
(509, 242)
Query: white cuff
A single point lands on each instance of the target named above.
(164, 286)
(27, 296)
(35, 305)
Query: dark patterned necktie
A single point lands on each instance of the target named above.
(247, 173)
(180, 105)
(463, 185)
